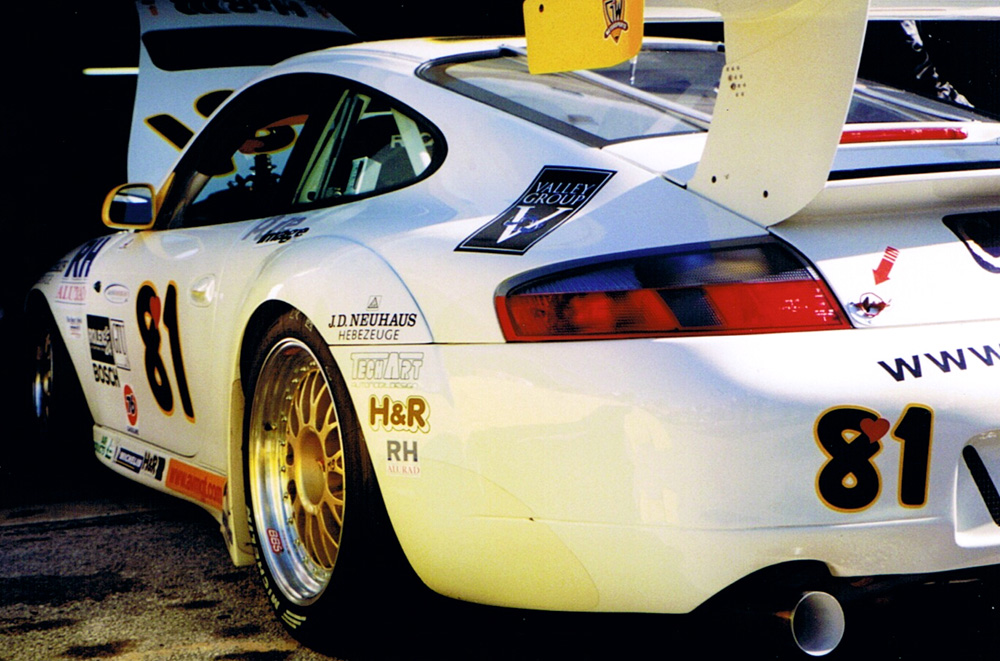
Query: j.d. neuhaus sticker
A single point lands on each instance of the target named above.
(552, 198)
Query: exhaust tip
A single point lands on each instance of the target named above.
(817, 623)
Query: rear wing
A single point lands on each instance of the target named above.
(668, 11)
(783, 97)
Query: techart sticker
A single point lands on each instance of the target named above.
(555, 195)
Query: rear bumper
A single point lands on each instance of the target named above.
(647, 475)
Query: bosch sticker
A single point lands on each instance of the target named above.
(555, 195)
(851, 438)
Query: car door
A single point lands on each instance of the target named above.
(161, 334)
(256, 181)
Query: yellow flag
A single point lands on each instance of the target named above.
(564, 35)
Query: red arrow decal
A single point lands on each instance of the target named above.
(888, 259)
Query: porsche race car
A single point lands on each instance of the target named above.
(408, 295)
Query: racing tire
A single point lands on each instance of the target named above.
(317, 521)
(60, 417)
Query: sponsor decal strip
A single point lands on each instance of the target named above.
(901, 368)
(196, 483)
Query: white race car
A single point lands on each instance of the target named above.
(409, 295)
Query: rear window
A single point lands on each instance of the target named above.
(584, 105)
(666, 89)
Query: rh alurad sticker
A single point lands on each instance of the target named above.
(555, 195)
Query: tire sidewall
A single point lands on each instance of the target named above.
(334, 603)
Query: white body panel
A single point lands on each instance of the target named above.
(614, 475)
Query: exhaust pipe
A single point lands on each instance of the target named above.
(817, 623)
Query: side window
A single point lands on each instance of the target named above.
(248, 160)
(297, 141)
(248, 184)
(368, 146)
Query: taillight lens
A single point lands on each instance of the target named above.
(757, 288)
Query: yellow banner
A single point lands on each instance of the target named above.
(564, 35)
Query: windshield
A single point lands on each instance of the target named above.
(667, 89)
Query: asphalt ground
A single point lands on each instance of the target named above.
(93, 566)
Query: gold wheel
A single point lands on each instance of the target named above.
(297, 470)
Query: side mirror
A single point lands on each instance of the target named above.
(129, 207)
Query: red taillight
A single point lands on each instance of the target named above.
(762, 288)
(902, 134)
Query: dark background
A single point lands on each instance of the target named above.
(65, 135)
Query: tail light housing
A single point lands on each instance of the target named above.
(759, 287)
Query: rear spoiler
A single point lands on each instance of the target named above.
(952, 191)
(783, 97)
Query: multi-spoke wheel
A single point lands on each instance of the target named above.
(317, 519)
(296, 463)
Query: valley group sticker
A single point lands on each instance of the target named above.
(552, 198)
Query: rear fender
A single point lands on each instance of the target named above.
(352, 296)
(348, 291)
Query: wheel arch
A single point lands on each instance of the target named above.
(38, 308)
(324, 279)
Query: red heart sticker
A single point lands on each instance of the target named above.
(875, 429)
(154, 309)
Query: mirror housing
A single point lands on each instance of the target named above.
(130, 207)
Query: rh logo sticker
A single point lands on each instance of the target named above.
(552, 198)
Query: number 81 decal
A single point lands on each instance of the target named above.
(150, 312)
(851, 438)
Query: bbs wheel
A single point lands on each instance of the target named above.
(307, 476)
